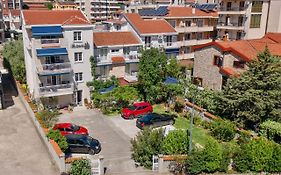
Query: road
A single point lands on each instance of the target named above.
(21, 150)
(114, 140)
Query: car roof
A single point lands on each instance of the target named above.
(75, 136)
(141, 103)
(63, 124)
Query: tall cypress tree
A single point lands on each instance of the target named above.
(255, 95)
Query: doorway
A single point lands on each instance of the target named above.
(79, 97)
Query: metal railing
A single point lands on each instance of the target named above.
(233, 8)
(50, 41)
(55, 88)
(232, 24)
(56, 66)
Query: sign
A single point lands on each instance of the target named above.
(81, 45)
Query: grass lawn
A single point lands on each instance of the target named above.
(200, 135)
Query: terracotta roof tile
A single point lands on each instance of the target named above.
(63, 17)
(115, 38)
(117, 60)
(66, 3)
(187, 12)
(150, 26)
(276, 37)
(228, 71)
(123, 82)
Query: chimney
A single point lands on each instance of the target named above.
(193, 10)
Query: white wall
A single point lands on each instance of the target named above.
(274, 17)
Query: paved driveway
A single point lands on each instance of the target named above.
(114, 136)
(21, 150)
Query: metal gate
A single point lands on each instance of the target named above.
(155, 163)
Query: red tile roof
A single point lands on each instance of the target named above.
(63, 17)
(276, 37)
(187, 12)
(123, 82)
(228, 71)
(15, 12)
(115, 38)
(117, 60)
(5, 12)
(150, 26)
(246, 49)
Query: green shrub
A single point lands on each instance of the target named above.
(146, 144)
(80, 167)
(275, 162)
(57, 137)
(176, 142)
(223, 130)
(47, 118)
(271, 130)
(206, 160)
(229, 150)
(254, 156)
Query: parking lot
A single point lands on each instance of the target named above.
(114, 134)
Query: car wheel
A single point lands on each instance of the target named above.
(131, 116)
(92, 152)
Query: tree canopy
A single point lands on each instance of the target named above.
(255, 95)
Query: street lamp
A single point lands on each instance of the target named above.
(192, 117)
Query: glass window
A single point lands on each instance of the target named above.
(77, 36)
(78, 57)
(199, 36)
(169, 40)
(239, 64)
(187, 36)
(257, 6)
(147, 41)
(115, 50)
(126, 50)
(79, 77)
(217, 61)
(255, 21)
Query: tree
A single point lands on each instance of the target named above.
(152, 72)
(173, 68)
(223, 130)
(47, 118)
(93, 66)
(80, 167)
(14, 59)
(176, 142)
(49, 5)
(255, 95)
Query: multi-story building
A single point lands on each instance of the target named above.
(2, 26)
(117, 54)
(57, 49)
(274, 16)
(194, 26)
(242, 19)
(215, 62)
(12, 4)
(65, 5)
(101, 10)
(156, 33)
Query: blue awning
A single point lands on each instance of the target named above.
(51, 52)
(174, 50)
(105, 90)
(171, 80)
(46, 31)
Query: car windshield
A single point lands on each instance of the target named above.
(75, 127)
(132, 107)
(147, 118)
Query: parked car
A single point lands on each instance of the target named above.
(155, 120)
(84, 144)
(70, 128)
(136, 110)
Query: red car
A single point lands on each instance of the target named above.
(70, 128)
(136, 110)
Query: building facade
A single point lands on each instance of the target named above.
(274, 16)
(57, 49)
(215, 62)
(65, 5)
(242, 19)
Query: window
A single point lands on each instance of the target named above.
(257, 6)
(241, 5)
(239, 64)
(77, 36)
(79, 77)
(199, 36)
(187, 23)
(217, 61)
(126, 50)
(187, 36)
(200, 23)
(78, 57)
(169, 40)
(147, 41)
(186, 50)
(115, 50)
(173, 23)
(255, 21)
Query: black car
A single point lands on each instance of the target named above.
(155, 120)
(82, 144)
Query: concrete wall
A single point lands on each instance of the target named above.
(274, 17)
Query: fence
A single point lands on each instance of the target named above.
(59, 160)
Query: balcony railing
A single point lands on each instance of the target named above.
(56, 67)
(233, 24)
(56, 90)
(50, 41)
(233, 9)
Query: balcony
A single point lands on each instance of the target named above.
(230, 26)
(56, 68)
(186, 29)
(50, 42)
(56, 90)
(132, 58)
(232, 10)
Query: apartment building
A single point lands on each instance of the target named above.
(65, 5)
(215, 62)
(2, 26)
(156, 33)
(274, 16)
(57, 48)
(11, 4)
(194, 26)
(242, 19)
(101, 10)
(117, 54)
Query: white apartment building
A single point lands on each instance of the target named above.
(2, 35)
(57, 48)
(274, 17)
(117, 54)
(242, 19)
(100, 10)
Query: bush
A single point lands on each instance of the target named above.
(47, 118)
(80, 167)
(229, 150)
(254, 156)
(271, 130)
(223, 130)
(146, 144)
(207, 160)
(57, 137)
(176, 142)
(275, 162)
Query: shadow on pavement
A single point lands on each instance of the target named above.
(9, 89)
